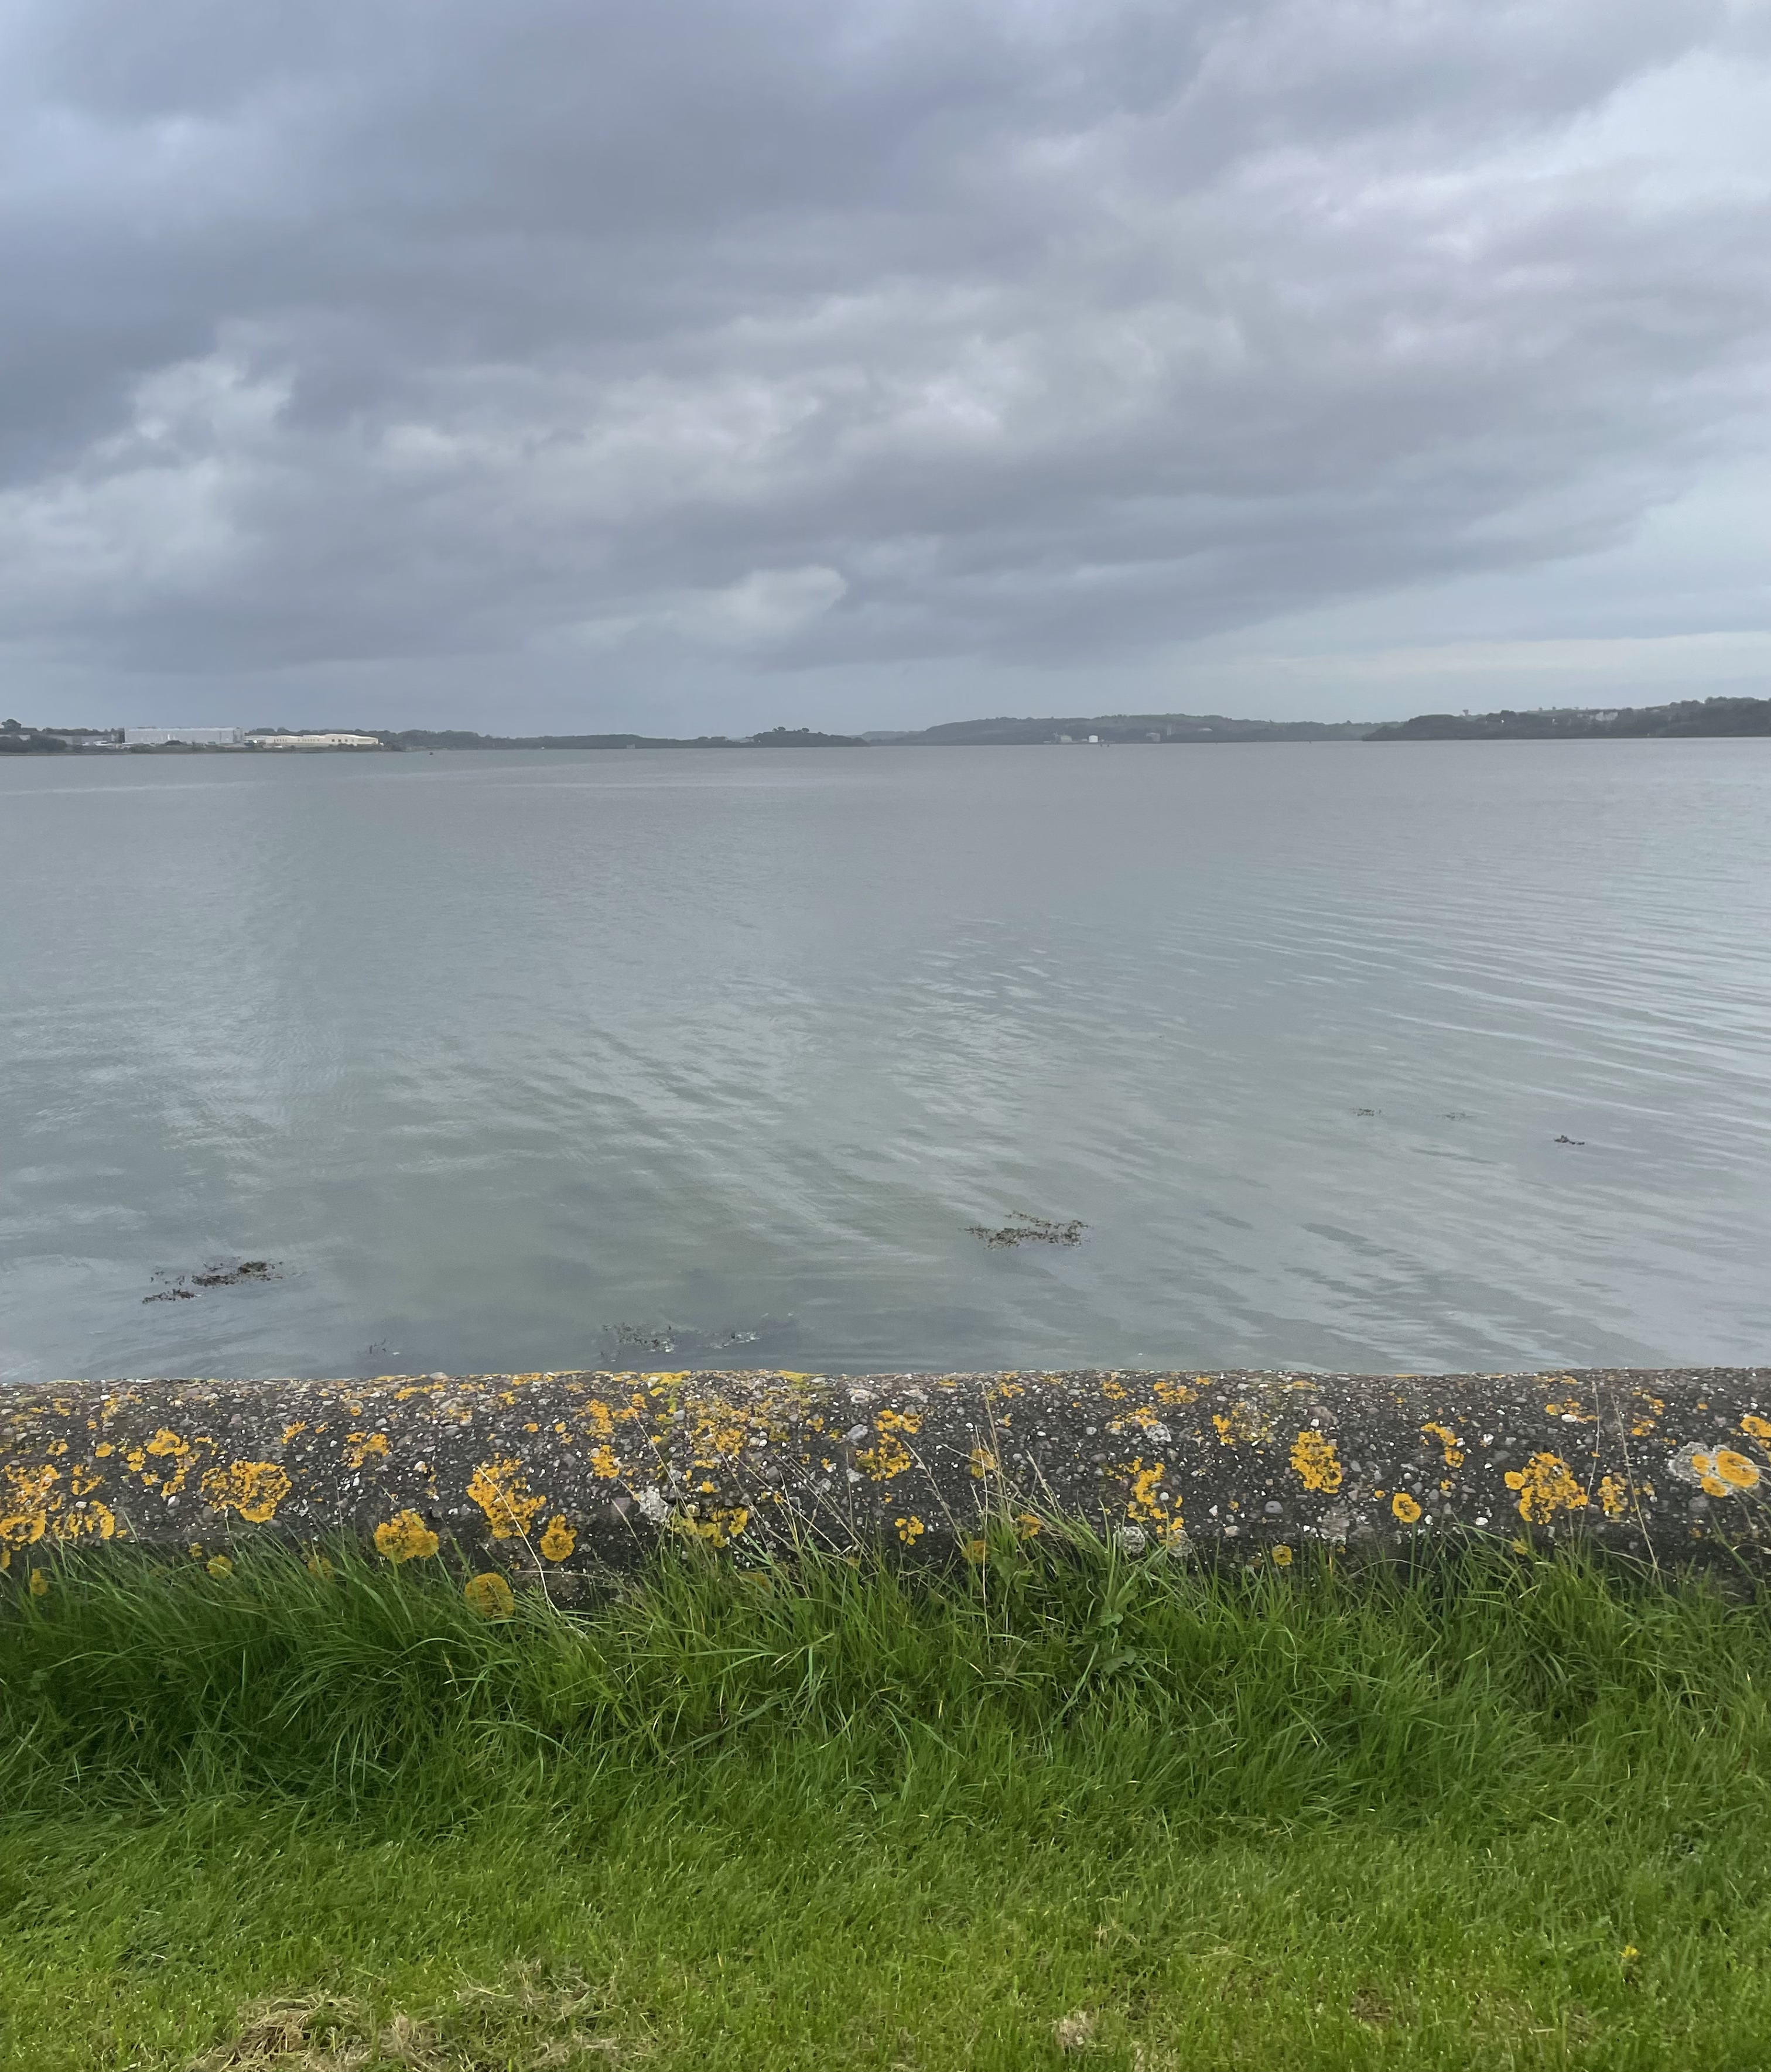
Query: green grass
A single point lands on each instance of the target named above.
(1496, 1812)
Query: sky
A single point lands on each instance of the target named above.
(716, 365)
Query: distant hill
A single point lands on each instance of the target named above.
(779, 737)
(1690, 717)
(422, 737)
(802, 737)
(1157, 727)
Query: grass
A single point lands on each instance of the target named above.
(1060, 1807)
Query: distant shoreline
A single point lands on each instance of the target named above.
(1687, 719)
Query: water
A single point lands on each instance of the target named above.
(515, 1061)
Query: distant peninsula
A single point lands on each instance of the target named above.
(776, 737)
(1688, 718)
(1158, 727)
(1691, 718)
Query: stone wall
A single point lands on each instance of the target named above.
(560, 1472)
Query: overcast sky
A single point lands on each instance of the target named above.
(705, 364)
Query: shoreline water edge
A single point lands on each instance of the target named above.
(556, 1475)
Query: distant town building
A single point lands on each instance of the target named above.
(192, 736)
(312, 741)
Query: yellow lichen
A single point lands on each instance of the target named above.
(1568, 1409)
(603, 1463)
(1177, 1392)
(1448, 1439)
(31, 1495)
(1724, 1473)
(888, 1457)
(1246, 1425)
(1404, 1507)
(219, 1565)
(295, 1430)
(406, 1537)
(1147, 1504)
(1315, 1461)
(1613, 1496)
(717, 1528)
(1282, 1556)
(503, 1494)
(40, 1583)
(984, 1462)
(253, 1488)
(558, 1540)
(718, 1429)
(317, 1565)
(910, 1530)
(490, 1596)
(167, 1445)
(976, 1549)
(1755, 1428)
(103, 1450)
(94, 1520)
(1142, 1417)
(1545, 1485)
(359, 1446)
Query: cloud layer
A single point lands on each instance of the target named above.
(557, 362)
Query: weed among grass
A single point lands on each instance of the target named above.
(1058, 1801)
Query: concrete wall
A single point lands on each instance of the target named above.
(556, 1472)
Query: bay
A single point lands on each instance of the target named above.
(673, 1059)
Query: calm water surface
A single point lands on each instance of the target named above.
(514, 1061)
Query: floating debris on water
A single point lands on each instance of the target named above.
(642, 1338)
(218, 1274)
(686, 1339)
(1023, 1229)
(1579, 1142)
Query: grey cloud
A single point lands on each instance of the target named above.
(796, 336)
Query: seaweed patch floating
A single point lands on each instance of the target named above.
(1023, 1229)
(186, 1287)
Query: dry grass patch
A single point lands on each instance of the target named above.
(531, 2022)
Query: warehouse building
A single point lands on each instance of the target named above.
(191, 737)
(312, 741)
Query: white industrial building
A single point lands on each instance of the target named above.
(312, 741)
(192, 736)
